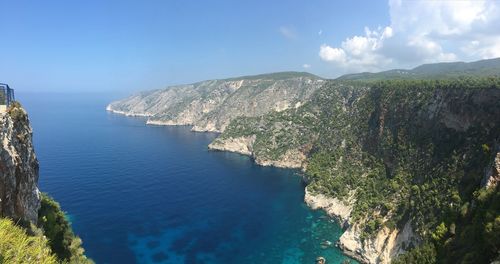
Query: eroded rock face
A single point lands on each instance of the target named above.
(211, 105)
(338, 209)
(19, 194)
(292, 158)
(492, 177)
(264, 119)
(242, 145)
(381, 248)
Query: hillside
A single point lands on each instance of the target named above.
(444, 70)
(211, 105)
(408, 161)
(400, 163)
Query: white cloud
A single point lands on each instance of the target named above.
(328, 53)
(423, 32)
(320, 32)
(306, 66)
(288, 32)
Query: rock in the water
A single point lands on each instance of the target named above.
(320, 260)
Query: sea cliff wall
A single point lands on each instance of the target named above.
(375, 153)
(355, 142)
(209, 106)
(19, 194)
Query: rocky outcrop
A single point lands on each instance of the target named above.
(340, 210)
(110, 109)
(211, 105)
(291, 159)
(492, 175)
(383, 247)
(242, 145)
(19, 194)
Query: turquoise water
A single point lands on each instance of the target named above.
(145, 194)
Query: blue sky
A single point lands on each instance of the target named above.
(135, 45)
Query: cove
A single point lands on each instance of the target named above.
(156, 194)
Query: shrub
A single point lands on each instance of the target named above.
(64, 243)
(18, 247)
(16, 111)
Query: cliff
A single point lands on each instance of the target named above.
(407, 165)
(390, 160)
(19, 194)
(211, 105)
(36, 230)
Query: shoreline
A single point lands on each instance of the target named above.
(110, 109)
(313, 201)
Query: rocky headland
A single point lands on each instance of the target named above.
(35, 229)
(398, 159)
(19, 194)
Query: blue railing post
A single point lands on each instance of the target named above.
(8, 93)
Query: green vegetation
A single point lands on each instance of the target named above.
(63, 242)
(277, 76)
(446, 70)
(53, 242)
(408, 150)
(474, 239)
(425, 254)
(16, 246)
(16, 111)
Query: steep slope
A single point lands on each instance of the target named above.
(397, 162)
(41, 233)
(406, 160)
(490, 67)
(19, 194)
(211, 105)
(16, 246)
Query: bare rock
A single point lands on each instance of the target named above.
(19, 194)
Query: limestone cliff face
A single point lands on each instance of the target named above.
(19, 194)
(242, 145)
(211, 105)
(396, 141)
(292, 158)
(492, 176)
(384, 246)
(338, 209)
(341, 124)
(381, 248)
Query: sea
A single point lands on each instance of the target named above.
(137, 193)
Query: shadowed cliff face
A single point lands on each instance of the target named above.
(19, 195)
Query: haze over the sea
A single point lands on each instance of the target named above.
(124, 46)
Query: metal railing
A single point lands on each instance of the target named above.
(6, 94)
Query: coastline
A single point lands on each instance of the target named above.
(333, 207)
(110, 109)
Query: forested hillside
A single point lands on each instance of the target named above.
(445, 70)
(407, 152)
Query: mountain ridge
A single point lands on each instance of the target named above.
(488, 67)
(210, 105)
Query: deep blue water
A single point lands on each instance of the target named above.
(146, 194)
